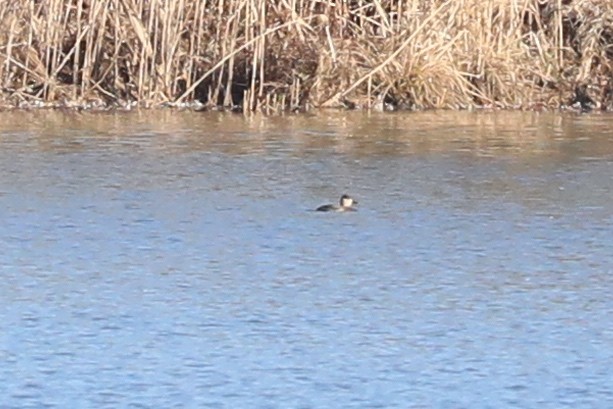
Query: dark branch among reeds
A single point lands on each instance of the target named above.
(274, 56)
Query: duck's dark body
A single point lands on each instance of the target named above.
(327, 208)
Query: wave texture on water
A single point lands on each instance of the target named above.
(177, 261)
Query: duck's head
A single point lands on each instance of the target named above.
(347, 201)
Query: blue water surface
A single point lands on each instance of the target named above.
(162, 263)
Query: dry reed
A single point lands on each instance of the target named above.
(277, 55)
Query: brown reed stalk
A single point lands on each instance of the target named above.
(269, 55)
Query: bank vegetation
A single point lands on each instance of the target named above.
(294, 55)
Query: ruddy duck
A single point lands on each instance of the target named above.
(346, 204)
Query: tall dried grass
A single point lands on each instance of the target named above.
(278, 55)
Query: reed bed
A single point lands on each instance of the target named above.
(276, 56)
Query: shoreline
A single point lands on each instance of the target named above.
(258, 56)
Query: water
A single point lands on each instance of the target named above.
(173, 260)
